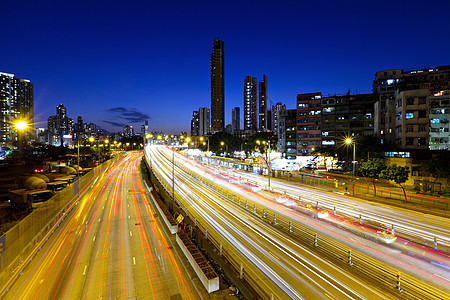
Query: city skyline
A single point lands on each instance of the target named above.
(129, 64)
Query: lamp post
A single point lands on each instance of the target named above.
(173, 173)
(350, 141)
(21, 126)
(267, 157)
(226, 147)
(92, 139)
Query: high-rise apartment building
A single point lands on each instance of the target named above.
(276, 109)
(144, 129)
(194, 123)
(347, 115)
(412, 120)
(218, 86)
(236, 120)
(309, 120)
(204, 125)
(16, 104)
(287, 136)
(439, 121)
(128, 131)
(388, 84)
(250, 103)
(263, 117)
(59, 126)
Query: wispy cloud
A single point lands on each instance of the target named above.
(131, 115)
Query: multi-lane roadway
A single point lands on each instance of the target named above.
(109, 246)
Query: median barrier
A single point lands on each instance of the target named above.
(198, 262)
(165, 214)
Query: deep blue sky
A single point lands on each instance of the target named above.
(153, 58)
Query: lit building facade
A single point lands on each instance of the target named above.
(204, 124)
(412, 120)
(309, 120)
(250, 103)
(287, 135)
(194, 123)
(16, 104)
(276, 109)
(347, 115)
(439, 121)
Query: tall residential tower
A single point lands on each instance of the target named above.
(16, 104)
(250, 103)
(217, 86)
(263, 116)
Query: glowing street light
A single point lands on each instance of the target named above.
(21, 125)
(349, 141)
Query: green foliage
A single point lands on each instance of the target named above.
(236, 143)
(397, 174)
(438, 166)
(372, 168)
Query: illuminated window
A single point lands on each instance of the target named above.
(409, 115)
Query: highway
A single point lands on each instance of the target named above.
(436, 274)
(281, 266)
(110, 245)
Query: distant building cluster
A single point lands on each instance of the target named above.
(407, 110)
(17, 105)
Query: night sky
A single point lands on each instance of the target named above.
(121, 62)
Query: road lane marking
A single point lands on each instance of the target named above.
(134, 260)
(84, 272)
(93, 239)
(131, 234)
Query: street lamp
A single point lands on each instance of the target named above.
(267, 156)
(21, 126)
(350, 141)
(226, 147)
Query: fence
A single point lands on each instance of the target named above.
(18, 243)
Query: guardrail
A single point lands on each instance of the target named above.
(381, 272)
(241, 266)
(21, 243)
(386, 275)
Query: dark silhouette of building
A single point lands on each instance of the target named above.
(236, 119)
(217, 86)
(263, 117)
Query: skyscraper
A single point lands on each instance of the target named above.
(276, 109)
(144, 129)
(204, 125)
(194, 123)
(16, 104)
(263, 125)
(235, 119)
(250, 103)
(217, 86)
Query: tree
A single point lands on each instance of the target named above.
(372, 169)
(438, 166)
(397, 174)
